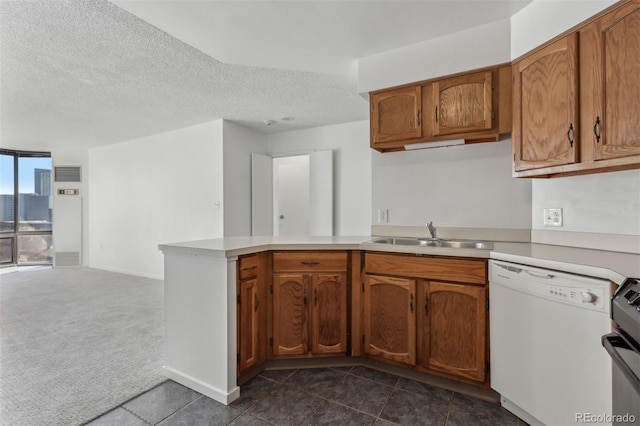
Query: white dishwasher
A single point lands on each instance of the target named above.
(547, 361)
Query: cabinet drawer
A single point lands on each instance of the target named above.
(309, 261)
(468, 271)
(248, 266)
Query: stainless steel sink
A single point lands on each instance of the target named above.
(434, 242)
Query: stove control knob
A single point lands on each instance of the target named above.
(634, 300)
(588, 297)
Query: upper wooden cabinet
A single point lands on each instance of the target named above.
(475, 106)
(610, 70)
(545, 106)
(396, 115)
(463, 104)
(577, 99)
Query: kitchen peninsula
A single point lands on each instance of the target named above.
(201, 295)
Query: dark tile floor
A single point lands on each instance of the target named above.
(318, 396)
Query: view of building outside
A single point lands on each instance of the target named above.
(32, 232)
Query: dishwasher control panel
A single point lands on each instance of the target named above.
(586, 292)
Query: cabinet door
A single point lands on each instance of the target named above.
(290, 322)
(389, 318)
(396, 115)
(545, 107)
(248, 324)
(463, 104)
(329, 313)
(611, 83)
(454, 329)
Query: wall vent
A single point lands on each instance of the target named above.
(67, 258)
(67, 174)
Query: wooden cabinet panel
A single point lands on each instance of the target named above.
(329, 314)
(463, 104)
(454, 329)
(545, 106)
(389, 311)
(249, 304)
(395, 115)
(472, 271)
(610, 69)
(248, 266)
(290, 322)
(309, 261)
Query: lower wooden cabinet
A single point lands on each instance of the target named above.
(453, 329)
(309, 313)
(251, 311)
(390, 318)
(425, 319)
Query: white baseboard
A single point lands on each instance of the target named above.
(223, 397)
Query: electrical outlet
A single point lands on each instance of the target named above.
(383, 215)
(553, 217)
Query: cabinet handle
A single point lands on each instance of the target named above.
(315, 296)
(596, 129)
(249, 268)
(257, 303)
(419, 116)
(411, 302)
(305, 297)
(310, 263)
(426, 305)
(570, 135)
(436, 113)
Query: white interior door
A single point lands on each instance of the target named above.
(321, 191)
(261, 195)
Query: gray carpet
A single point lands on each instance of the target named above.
(75, 343)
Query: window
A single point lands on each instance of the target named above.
(25, 208)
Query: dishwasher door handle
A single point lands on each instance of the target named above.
(539, 275)
(612, 342)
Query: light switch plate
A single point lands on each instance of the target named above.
(553, 217)
(383, 215)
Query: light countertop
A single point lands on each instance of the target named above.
(614, 266)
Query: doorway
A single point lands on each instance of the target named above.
(292, 195)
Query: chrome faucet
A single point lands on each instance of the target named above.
(432, 229)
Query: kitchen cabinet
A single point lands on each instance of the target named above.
(545, 100)
(475, 106)
(463, 104)
(251, 311)
(429, 312)
(396, 115)
(610, 66)
(309, 303)
(390, 318)
(576, 99)
(453, 329)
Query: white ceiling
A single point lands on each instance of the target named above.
(85, 73)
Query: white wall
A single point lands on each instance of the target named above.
(606, 203)
(351, 169)
(71, 157)
(239, 143)
(158, 189)
(478, 47)
(542, 20)
(460, 186)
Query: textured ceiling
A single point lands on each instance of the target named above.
(85, 73)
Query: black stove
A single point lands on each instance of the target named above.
(623, 345)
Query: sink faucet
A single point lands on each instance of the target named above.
(432, 229)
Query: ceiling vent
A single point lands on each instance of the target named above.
(67, 174)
